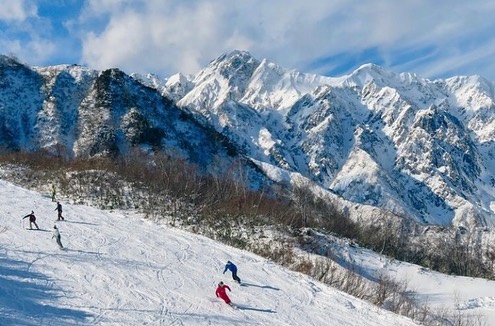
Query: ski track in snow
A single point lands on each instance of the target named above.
(118, 269)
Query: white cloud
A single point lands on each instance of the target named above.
(477, 61)
(25, 35)
(185, 35)
(16, 10)
(171, 35)
(29, 52)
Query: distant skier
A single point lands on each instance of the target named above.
(233, 268)
(32, 220)
(56, 235)
(221, 293)
(54, 193)
(59, 210)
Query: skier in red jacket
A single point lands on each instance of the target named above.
(222, 294)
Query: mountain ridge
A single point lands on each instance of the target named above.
(371, 115)
(418, 148)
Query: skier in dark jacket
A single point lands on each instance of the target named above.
(233, 268)
(59, 209)
(32, 220)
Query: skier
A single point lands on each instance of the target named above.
(56, 235)
(222, 294)
(54, 192)
(32, 220)
(233, 268)
(59, 209)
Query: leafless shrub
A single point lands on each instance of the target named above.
(304, 266)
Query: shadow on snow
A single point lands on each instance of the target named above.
(29, 298)
(260, 286)
(241, 307)
(79, 222)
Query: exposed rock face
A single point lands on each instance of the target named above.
(416, 147)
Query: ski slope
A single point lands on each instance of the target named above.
(119, 269)
(473, 299)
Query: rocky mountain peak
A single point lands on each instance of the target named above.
(412, 146)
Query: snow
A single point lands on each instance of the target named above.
(120, 269)
(272, 86)
(275, 173)
(472, 296)
(265, 140)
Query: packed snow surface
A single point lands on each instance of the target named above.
(119, 269)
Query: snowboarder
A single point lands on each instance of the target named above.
(54, 192)
(233, 268)
(59, 209)
(32, 220)
(222, 294)
(56, 235)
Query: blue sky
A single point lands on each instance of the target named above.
(432, 38)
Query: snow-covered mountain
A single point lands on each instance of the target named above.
(79, 112)
(417, 147)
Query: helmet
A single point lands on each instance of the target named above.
(220, 284)
(54, 226)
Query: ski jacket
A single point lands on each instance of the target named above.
(222, 294)
(59, 207)
(231, 267)
(32, 218)
(56, 234)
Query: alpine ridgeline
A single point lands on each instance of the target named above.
(418, 148)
